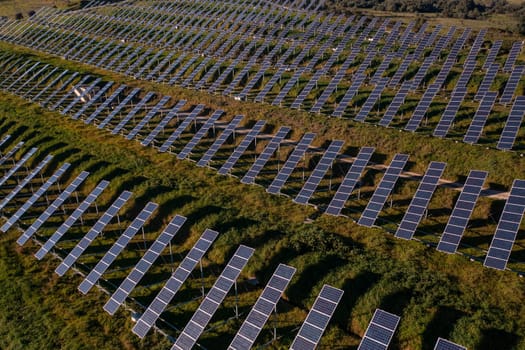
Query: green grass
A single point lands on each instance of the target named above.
(436, 294)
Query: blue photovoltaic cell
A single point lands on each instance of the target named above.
(508, 226)
(462, 210)
(512, 125)
(512, 85)
(485, 85)
(319, 172)
(290, 164)
(422, 107)
(102, 222)
(105, 104)
(182, 126)
(266, 154)
(133, 112)
(52, 208)
(25, 181)
(148, 117)
(477, 124)
(450, 112)
(16, 216)
(116, 248)
(243, 146)
(11, 152)
(443, 344)
(194, 328)
(380, 331)
(185, 152)
(491, 56)
(350, 181)
(17, 165)
(317, 320)
(513, 56)
(264, 306)
(371, 100)
(230, 129)
(349, 95)
(144, 264)
(66, 225)
(420, 202)
(160, 126)
(383, 190)
(172, 286)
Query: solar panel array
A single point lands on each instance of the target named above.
(172, 286)
(200, 319)
(200, 134)
(66, 225)
(462, 210)
(443, 344)
(380, 331)
(420, 201)
(263, 308)
(512, 125)
(317, 320)
(383, 190)
(508, 226)
(110, 256)
(95, 230)
(144, 264)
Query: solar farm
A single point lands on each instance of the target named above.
(253, 174)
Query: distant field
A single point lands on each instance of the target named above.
(12, 7)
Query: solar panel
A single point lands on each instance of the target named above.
(95, 98)
(148, 117)
(396, 78)
(172, 286)
(512, 125)
(485, 85)
(17, 165)
(51, 84)
(450, 112)
(383, 190)
(21, 76)
(512, 84)
(200, 319)
(189, 80)
(144, 264)
(317, 320)
(160, 126)
(4, 140)
(513, 56)
(80, 96)
(378, 75)
(396, 103)
(19, 90)
(116, 248)
(118, 108)
(491, 56)
(200, 134)
(11, 152)
(243, 146)
(132, 113)
(97, 228)
(349, 95)
(350, 181)
(443, 344)
(263, 158)
(206, 158)
(419, 203)
(458, 221)
(25, 181)
(508, 226)
(480, 118)
(66, 225)
(263, 308)
(11, 221)
(105, 104)
(52, 208)
(182, 126)
(371, 100)
(68, 93)
(380, 331)
(290, 164)
(319, 172)
(422, 107)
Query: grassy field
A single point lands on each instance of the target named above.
(12, 7)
